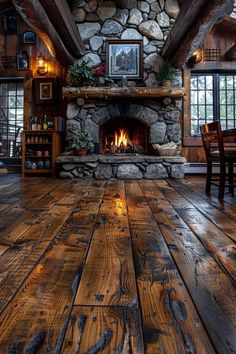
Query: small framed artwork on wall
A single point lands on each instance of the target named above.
(29, 37)
(23, 61)
(45, 90)
(124, 58)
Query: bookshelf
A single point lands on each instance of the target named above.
(40, 148)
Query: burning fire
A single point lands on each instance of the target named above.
(121, 138)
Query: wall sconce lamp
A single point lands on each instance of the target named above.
(196, 57)
(42, 65)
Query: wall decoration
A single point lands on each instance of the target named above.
(23, 61)
(45, 90)
(29, 37)
(10, 24)
(124, 58)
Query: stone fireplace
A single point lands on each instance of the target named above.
(145, 121)
(144, 113)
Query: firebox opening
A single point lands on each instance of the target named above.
(124, 136)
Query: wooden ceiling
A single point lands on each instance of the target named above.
(195, 21)
(5, 5)
(53, 22)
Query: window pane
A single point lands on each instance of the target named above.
(194, 128)
(222, 83)
(194, 112)
(222, 97)
(209, 82)
(230, 112)
(209, 97)
(202, 112)
(11, 121)
(222, 112)
(201, 101)
(202, 96)
(201, 82)
(194, 97)
(230, 124)
(230, 82)
(193, 83)
(230, 97)
(223, 124)
(209, 113)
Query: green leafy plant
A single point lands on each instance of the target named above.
(80, 74)
(166, 72)
(81, 140)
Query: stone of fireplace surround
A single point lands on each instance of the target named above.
(161, 115)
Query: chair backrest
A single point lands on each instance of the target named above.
(212, 139)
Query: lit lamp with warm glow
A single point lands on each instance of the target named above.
(42, 65)
(196, 57)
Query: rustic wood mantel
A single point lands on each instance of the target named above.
(113, 92)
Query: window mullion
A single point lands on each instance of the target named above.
(216, 98)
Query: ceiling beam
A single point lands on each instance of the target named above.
(60, 16)
(192, 26)
(33, 13)
(187, 15)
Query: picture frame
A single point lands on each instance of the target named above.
(45, 90)
(28, 37)
(124, 58)
(23, 62)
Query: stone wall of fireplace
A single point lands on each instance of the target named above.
(148, 20)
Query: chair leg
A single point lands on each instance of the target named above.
(222, 181)
(231, 177)
(208, 177)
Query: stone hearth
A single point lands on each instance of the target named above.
(122, 167)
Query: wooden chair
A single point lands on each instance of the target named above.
(218, 150)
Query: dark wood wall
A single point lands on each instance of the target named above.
(10, 46)
(223, 37)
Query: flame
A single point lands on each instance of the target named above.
(121, 138)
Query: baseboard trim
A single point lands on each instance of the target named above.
(200, 168)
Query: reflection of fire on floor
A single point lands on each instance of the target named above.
(120, 142)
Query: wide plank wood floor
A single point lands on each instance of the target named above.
(116, 267)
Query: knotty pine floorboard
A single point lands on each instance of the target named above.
(116, 267)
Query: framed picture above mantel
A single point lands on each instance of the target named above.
(124, 58)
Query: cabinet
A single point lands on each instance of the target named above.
(40, 149)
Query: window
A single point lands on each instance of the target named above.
(11, 117)
(213, 98)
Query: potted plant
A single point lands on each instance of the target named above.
(81, 142)
(166, 74)
(100, 78)
(80, 74)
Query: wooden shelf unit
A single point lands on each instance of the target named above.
(46, 140)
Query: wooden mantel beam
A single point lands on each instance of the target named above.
(37, 19)
(193, 24)
(116, 92)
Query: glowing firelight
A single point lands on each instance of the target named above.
(121, 138)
